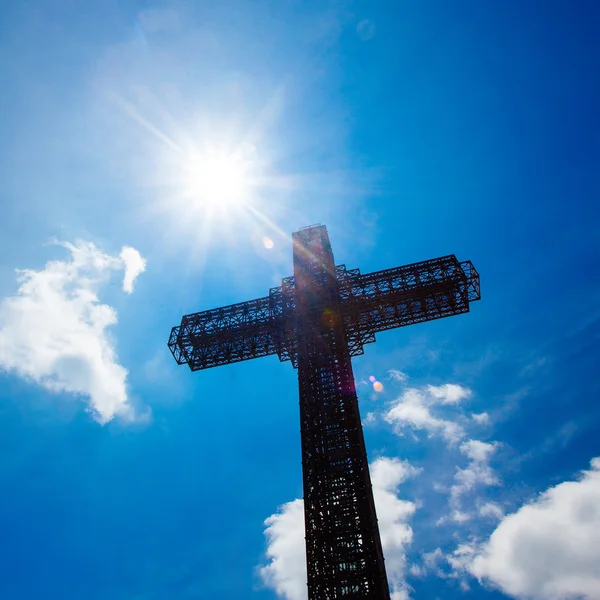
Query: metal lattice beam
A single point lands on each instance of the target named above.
(226, 335)
(403, 296)
(370, 303)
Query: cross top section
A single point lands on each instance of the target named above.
(370, 303)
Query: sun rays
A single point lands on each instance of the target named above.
(221, 181)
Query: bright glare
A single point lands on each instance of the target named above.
(218, 180)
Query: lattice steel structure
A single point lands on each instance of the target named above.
(318, 319)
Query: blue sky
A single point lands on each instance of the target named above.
(412, 130)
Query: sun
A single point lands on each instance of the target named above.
(218, 179)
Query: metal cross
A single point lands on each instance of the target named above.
(318, 319)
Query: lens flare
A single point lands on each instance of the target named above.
(378, 386)
(330, 318)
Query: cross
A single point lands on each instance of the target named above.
(318, 319)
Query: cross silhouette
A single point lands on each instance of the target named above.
(318, 319)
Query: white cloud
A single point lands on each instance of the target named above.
(462, 557)
(432, 559)
(477, 473)
(477, 450)
(491, 509)
(481, 418)
(412, 409)
(449, 393)
(417, 571)
(54, 330)
(432, 563)
(285, 572)
(134, 266)
(457, 515)
(398, 376)
(370, 419)
(550, 548)
(393, 513)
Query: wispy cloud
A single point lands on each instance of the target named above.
(481, 418)
(438, 411)
(431, 564)
(370, 419)
(285, 572)
(478, 472)
(366, 30)
(397, 376)
(490, 509)
(54, 331)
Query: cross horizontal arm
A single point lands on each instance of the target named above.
(225, 335)
(405, 295)
(369, 303)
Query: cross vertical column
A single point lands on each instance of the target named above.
(343, 547)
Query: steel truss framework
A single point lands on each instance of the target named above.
(318, 319)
